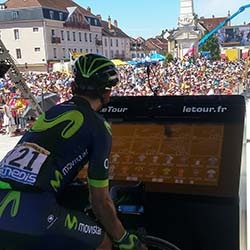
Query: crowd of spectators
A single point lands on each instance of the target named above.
(178, 77)
(181, 77)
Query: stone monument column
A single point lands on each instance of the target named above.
(186, 13)
(188, 32)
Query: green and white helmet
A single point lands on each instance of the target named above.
(95, 72)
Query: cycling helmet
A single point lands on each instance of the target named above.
(95, 72)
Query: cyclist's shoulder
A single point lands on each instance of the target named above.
(74, 106)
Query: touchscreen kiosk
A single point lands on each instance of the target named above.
(184, 144)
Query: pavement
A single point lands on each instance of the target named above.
(7, 143)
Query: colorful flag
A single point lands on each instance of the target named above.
(191, 50)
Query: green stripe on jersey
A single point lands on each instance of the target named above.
(4, 185)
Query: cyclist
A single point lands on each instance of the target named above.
(48, 158)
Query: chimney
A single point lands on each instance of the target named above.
(89, 9)
(109, 22)
(116, 23)
(228, 13)
(99, 17)
(212, 16)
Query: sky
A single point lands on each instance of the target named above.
(147, 18)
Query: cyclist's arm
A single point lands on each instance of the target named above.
(98, 180)
(105, 212)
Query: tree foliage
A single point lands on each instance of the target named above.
(212, 45)
(169, 57)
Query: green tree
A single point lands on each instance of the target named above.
(168, 58)
(212, 45)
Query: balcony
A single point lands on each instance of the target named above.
(55, 40)
(98, 42)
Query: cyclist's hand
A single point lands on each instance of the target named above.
(130, 241)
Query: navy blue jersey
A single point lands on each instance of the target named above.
(59, 144)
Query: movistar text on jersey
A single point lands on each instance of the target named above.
(192, 109)
(88, 229)
(71, 164)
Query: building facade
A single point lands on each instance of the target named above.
(115, 43)
(38, 33)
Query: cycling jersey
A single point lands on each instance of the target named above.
(59, 144)
(39, 168)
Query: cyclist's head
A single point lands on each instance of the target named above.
(95, 75)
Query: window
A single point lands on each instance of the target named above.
(74, 36)
(35, 29)
(68, 36)
(111, 53)
(111, 42)
(37, 49)
(18, 54)
(90, 37)
(53, 33)
(74, 18)
(62, 35)
(54, 52)
(75, 50)
(95, 22)
(64, 52)
(16, 34)
(80, 36)
(51, 14)
(15, 15)
(60, 16)
(97, 51)
(105, 42)
(85, 37)
(80, 50)
(117, 42)
(80, 18)
(87, 51)
(69, 51)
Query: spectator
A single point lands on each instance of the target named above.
(8, 119)
(1, 112)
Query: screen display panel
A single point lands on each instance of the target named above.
(167, 153)
(185, 144)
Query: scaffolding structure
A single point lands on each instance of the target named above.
(7, 61)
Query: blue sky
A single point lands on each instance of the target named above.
(147, 18)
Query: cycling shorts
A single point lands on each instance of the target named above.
(36, 221)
